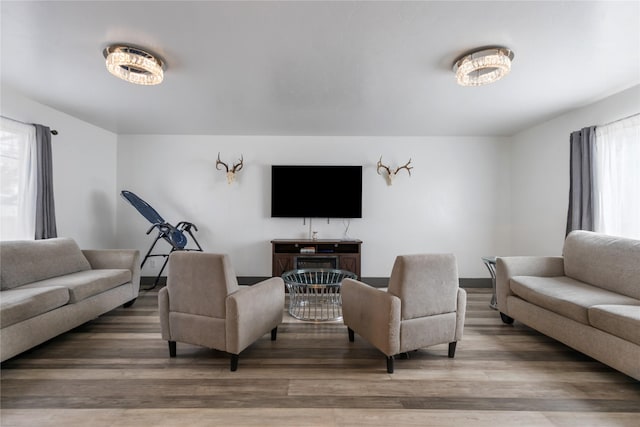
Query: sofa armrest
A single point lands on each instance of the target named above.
(508, 267)
(373, 314)
(116, 258)
(253, 311)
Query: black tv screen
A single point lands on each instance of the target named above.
(316, 191)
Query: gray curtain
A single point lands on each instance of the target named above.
(580, 213)
(45, 208)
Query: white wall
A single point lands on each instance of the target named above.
(84, 171)
(540, 173)
(470, 196)
(451, 203)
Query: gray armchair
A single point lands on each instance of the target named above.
(423, 306)
(202, 304)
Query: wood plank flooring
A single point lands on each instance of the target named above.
(116, 371)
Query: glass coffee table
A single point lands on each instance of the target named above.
(314, 294)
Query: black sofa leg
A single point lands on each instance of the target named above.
(452, 349)
(274, 333)
(390, 364)
(172, 348)
(234, 362)
(129, 303)
(506, 319)
(352, 336)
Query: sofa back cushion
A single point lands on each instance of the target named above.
(608, 262)
(26, 261)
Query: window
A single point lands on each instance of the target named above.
(616, 164)
(17, 180)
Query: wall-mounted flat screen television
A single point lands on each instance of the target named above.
(316, 191)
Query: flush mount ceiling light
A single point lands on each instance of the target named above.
(134, 65)
(483, 66)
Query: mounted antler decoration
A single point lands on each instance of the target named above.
(392, 174)
(231, 173)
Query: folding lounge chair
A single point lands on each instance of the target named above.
(173, 235)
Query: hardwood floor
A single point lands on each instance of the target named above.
(116, 371)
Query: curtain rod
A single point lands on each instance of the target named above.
(53, 131)
(619, 120)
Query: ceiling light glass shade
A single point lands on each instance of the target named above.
(483, 66)
(134, 65)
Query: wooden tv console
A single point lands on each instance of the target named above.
(306, 253)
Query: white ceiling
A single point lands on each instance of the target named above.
(320, 68)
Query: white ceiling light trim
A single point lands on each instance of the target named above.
(134, 65)
(483, 66)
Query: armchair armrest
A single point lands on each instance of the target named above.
(508, 267)
(116, 258)
(163, 310)
(373, 314)
(461, 311)
(253, 311)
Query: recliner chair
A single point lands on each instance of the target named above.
(423, 306)
(202, 304)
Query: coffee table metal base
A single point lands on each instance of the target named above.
(314, 294)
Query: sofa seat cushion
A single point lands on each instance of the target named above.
(565, 296)
(85, 284)
(620, 320)
(19, 304)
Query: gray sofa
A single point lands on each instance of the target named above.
(588, 299)
(48, 287)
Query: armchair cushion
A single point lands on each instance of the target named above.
(424, 284)
(200, 330)
(426, 331)
(207, 278)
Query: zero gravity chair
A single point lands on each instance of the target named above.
(173, 235)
